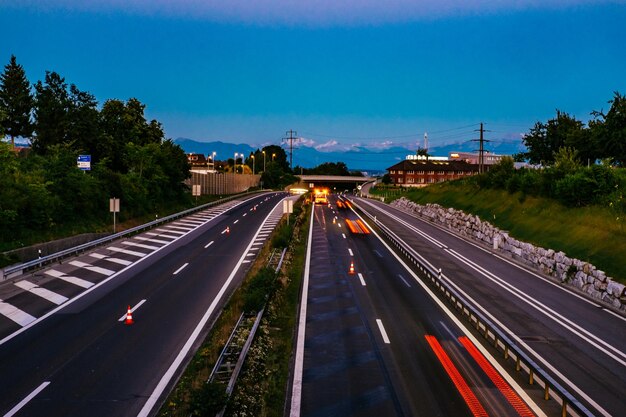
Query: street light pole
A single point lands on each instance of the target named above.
(235, 163)
(253, 163)
(263, 161)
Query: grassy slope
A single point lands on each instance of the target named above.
(593, 234)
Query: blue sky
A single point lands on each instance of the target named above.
(340, 73)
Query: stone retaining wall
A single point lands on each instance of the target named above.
(570, 271)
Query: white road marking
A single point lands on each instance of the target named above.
(350, 252)
(380, 255)
(361, 278)
(344, 235)
(236, 221)
(186, 229)
(208, 244)
(404, 280)
(25, 401)
(178, 232)
(126, 251)
(245, 214)
(148, 239)
(89, 267)
(251, 254)
(68, 278)
(41, 292)
(140, 245)
(110, 259)
(382, 331)
(132, 310)
(615, 314)
(246, 262)
(180, 269)
(11, 312)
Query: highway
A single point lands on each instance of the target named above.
(578, 341)
(373, 342)
(80, 358)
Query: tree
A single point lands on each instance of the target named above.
(610, 130)
(16, 101)
(52, 104)
(544, 140)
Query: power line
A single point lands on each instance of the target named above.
(291, 138)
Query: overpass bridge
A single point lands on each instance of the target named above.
(334, 182)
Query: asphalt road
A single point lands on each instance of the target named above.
(373, 339)
(81, 360)
(578, 341)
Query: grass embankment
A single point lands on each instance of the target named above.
(593, 234)
(261, 388)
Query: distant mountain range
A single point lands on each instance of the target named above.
(358, 158)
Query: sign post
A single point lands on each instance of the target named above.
(196, 190)
(287, 208)
(83, 162)
(114, 207)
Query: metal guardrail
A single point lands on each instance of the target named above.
(18, 269)
(501, 340)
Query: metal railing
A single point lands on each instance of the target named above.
(493, 334)
(15, 270)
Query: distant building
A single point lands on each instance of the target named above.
(197, 160)
(422, 172)
(472, 157)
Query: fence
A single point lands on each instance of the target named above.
(219, 183)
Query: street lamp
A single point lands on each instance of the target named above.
(214, 153)
(253, 163)
(273, 155)
(263, 161)
(235, 164)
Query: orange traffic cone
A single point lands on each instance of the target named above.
(129, 316)
(227, 230)
(351, 270)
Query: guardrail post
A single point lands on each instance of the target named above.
(518, 365)
(564, 408)
(506, 351)
(531, 379)
(439, 273)
(546, 394)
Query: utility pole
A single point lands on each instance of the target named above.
(291, 138)
(481, 148)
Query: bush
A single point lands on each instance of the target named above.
(576, 190)
(260, 288)
(208, 400)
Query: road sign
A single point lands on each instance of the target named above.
(114, 207)
(196, 190)
(83, 162)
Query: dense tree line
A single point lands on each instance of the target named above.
(43, 188)
(604, 137)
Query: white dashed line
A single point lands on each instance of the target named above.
(350, 252)
(344, 235)
(208, 244)
(404, 280)
(236, 221)
(25, 401)
(180, 269)
(382, 331)
(361, 279)
(132, 310)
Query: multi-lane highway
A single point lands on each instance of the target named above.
(373, 341)
(579, 342)
(65, 347)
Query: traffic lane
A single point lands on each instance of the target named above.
(342, 373)
(566, 302)
(96, 315)
(568, 357)
(409, 316)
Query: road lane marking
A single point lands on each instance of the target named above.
(361, 279)
(459, 382)
(140, 245)
(11, 312)
(404, 280)
(208, 244)
(110, 259)
(178, 232)
(344, 235)
(25, 401)
(132, 310)
(41, 292)
(236, 221)
(382, 331)
(90, 267)
(172, 226)
(350, 252)
(245, 214)
(566, 323)
(380, 255)
(180, 269)
(67, 278)
(126, 251)
(615, 314)
(149, 239)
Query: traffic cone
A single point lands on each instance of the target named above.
(334, 220)
(351, 270)
(129, 316)
(227, 230)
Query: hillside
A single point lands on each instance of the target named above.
(592, 234)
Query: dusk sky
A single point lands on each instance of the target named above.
(340, 73)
